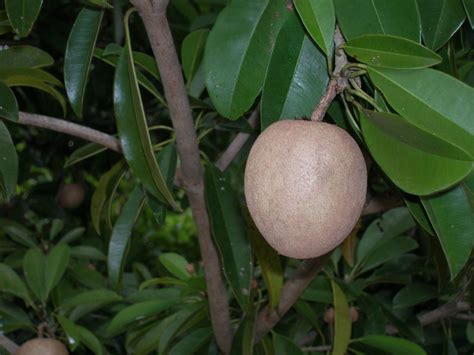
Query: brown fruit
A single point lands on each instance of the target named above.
(354, 314)
(305, 186)
(329, 315)
(42, 346)
(71, 195)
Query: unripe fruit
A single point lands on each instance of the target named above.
(42, 346)
(305, 186)
(71, 195)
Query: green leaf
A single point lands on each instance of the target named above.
(270, 264)
(132, 127)
(17, 232)
(14, 317)
(319, 18)
(101, 3)
(360, 17)
(34, 264)
(452, 217)
(121, 233)
(469, 6)
(103, 191)
(136, 312)
(56, 264)
(11, 283)
(402, 130)
(23, 14)
(176, 265)
(342, 321)
(78, 57)
(418, 212)
(413, 294)
(244, 338)
(77, 334)
(192, 51)
(83, 153)
(102, 296)
(88, 252)
(24, 56)
(297, 76)
(432, 101)
(391, 52)
(440, 19)
(284, 346)
(4, 23)
(238, 52)
(228, 230)
(412, 170)
(8, 165)
(192, 342)
(391, 345)
(11, 76)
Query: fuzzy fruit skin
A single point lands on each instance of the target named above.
(71, 195)
(42, 347)
(305, 186)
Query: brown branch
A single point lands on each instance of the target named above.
(236, 145)
(153, 14)
(380, 204)
(70, 128)
(8, 344)
(291, 291)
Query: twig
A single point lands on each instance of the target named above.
(236, 145)
(73, 129)
(337, 83)
(291, 291)
(8, 344)
(380, 204)
(320, 348)
(153, 14)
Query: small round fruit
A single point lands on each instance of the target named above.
(354, 314)
(71, 195)
(329, 315)
(42, 346)
(305, 186)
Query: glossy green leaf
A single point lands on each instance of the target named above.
(78, 334)
(34, 264)
(121, 233)
(103, 192)
(284, 346)
(8, 165)
(82, 153)
(78, 57)
(469, 7)
(319, 19)
(297, 76)
(440, 19)
(413, 294)
(228, 230)
(133, 130)
(17, 232)
(176, 265)
(136, 312)
(24, 56)
(342, 321)
(102, 296)
(87, 252)
(192, 342)
(244, 338)
(23, 14)
(270, 264)
(418, 212)
(391, 345)
(238, 52)
(11, 283)
(391, 52)
(452, 217)
(361, 17)
(12, 75)
(402, 130)
(412, 170)
(192, 51)
(57, 262)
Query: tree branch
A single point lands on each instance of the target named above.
(8, 344)
(153, 14)
(70, 128)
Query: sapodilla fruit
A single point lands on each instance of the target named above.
(305, 186)
(42, 346)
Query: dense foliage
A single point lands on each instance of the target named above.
(99, 249)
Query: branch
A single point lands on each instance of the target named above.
(291, 291)
(153, 14)
(236, 145)
(73, 129)
(8, 344)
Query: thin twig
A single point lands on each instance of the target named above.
(236, 145)
(153, 14)
(8, 344)
(320, 348)
(70, 128)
